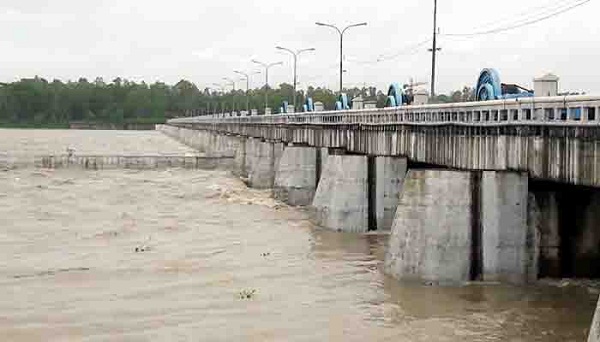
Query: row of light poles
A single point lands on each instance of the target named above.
(295, 54)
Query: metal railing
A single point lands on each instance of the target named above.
(558, 110)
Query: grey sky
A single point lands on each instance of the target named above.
(204, 41)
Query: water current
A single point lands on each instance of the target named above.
(164, 255)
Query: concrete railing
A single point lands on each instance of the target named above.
(558, 110)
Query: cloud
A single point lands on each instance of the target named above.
(206, 40)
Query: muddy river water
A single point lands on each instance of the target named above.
(171, 255)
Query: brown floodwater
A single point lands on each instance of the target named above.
(217, 261)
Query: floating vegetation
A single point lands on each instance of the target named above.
(247, 294)
(142, 248)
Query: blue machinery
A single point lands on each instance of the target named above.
(489, 87)
(397, 97)
(342, 102)
(284, 107)
(309, 106)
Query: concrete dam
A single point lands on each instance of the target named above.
(503, 190)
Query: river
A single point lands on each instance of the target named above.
(173, 254)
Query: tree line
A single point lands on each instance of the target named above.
(38, 102)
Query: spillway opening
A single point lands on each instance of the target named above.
(372, 193)
(476, 269)
(567, 219)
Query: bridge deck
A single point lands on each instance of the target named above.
(553, 138)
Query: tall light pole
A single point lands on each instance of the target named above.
(341, 32)
(434, 49)
(295, 54)
(232, 84)
(267, 67)
(247, 77)
(220, 87)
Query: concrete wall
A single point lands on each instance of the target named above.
(296, 176)
(261, 160)
(504, 197)
(239, 168)
(431, 235)
(341, 201)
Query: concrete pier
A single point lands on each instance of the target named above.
(296, 176)
(261, 160)
(341, 201)
(506, 256)
(239, 158)
(485, 222)
(431, 235)
(456, 226)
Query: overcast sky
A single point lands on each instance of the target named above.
(204, 41)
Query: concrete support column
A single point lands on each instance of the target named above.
(389, 175)
(296, 176)
(432, 234)
(239, 161)
(455, 226)
(506, 257)
(341, 201)
(261, 159)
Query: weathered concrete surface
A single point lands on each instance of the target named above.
(504, 197)
(566, 154)
(390, 173)
(261, 160)
(239, 163)
(594, 334)
(431, 235)
(296, 176)
(198, 140)
(341, 201)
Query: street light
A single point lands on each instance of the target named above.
(232, 84)
(220, 87)
(341, 32)
(247, 76)
(295, 54)
(267, 67)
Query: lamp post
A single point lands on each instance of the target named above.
(232, 84)
(267, 67)
(341, 32)
(247, 76)
(220, 87)
(295, 54)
